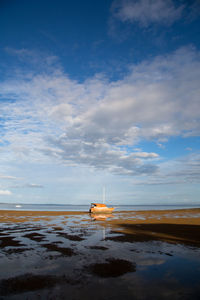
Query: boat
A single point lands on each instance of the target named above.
(100, 208)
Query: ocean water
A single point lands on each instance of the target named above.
(85, 208)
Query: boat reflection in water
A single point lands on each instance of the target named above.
(100, 217)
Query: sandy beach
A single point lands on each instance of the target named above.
(72, 255)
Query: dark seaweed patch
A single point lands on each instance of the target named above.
(112, 268)
(3, 234)
(35, 236)
(63, 250)
(31, 282)
(98, 247)
(18, 250)
(172, 233)
(57, 228)
(70, 237)
(9, 242)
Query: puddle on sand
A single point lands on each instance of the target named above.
(74, 260)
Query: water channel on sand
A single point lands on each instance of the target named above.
(130, 255)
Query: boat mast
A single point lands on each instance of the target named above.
(104, 194)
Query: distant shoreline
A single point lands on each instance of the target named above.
(85, 208)
(75, 212)
(80, 212)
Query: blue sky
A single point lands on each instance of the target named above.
(100, 93)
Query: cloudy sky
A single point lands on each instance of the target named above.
(100, 93)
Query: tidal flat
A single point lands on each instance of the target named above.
(76, 255)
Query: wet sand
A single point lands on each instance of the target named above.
(180, 216)
(131, 255)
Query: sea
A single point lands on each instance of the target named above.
(85, 208)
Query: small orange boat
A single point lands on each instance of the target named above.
(100, 208)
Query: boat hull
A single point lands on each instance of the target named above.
(99, 210)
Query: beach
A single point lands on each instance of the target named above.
(76, 255)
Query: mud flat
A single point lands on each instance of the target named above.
(72, 255)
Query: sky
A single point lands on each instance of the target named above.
(100, 93)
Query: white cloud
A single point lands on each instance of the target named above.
(145, 155)
(29, 185)
(34, 185)
(5, 193)
(2, 176)
(97, 122)
(146, 12)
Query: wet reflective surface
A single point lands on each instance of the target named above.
(84, 256)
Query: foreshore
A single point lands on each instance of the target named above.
(180, 225)
(176, 216)
(56, 254)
